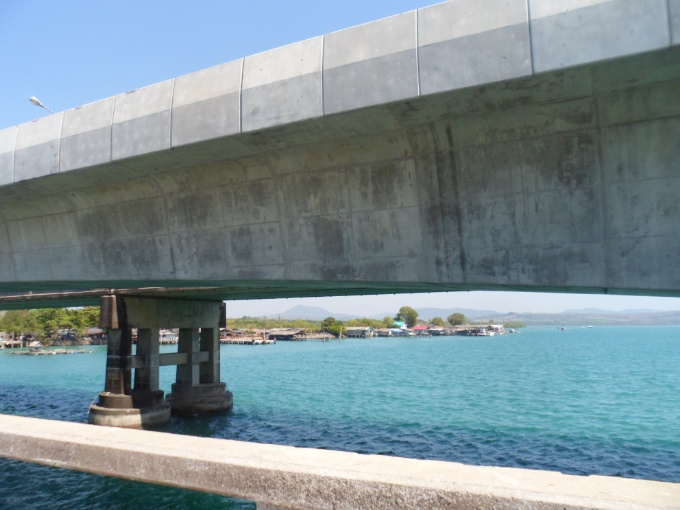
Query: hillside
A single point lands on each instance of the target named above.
(574, 317)
(591, 318)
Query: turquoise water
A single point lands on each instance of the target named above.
(604, 400)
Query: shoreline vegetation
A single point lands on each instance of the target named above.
(79, 326)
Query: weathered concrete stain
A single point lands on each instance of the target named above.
(546, 182)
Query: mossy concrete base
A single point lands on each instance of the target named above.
(130, 411)
(211, 398)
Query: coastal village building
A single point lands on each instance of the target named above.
(383, 332)
(287, 334)
(359, 332)
(168, 336)
(476, 330)
(421, 330)
(402, 332)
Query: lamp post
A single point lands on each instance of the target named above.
(37, 102)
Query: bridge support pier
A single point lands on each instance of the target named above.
(197, 390)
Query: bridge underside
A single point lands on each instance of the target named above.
(89, 293)
(562, 182)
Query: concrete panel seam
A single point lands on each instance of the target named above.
(323, 74)
(61, 130)
(166, 222)
(240, 98)
(531, 38)
(14, 158)
(417, 56)
(669, 25)
(113, 114)
(172, 110)
(11, 250)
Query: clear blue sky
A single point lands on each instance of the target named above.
(72, 52)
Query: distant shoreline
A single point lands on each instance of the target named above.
(595, 318)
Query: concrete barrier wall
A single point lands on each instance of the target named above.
(302, 478)
(441, 48)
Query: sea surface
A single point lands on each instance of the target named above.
(603, 400)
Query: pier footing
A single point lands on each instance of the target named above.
(212, 398)
(114, 410)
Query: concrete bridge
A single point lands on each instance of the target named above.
(509, 144)
(505, 145)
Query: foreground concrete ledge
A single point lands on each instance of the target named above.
(302, 478)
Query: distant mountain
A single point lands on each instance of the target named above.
(310, 313)
(581, 311)
(589, 318)
(583, 317)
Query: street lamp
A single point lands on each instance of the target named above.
(37, 102)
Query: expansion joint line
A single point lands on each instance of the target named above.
(323, 89)
(531, 38)
(417, 57)
(240, 98)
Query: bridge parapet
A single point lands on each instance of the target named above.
(280, 477)
(442, 48)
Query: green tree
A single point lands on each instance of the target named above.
(388, 322)
(337, 329)
(365, 322)
(456, 319)
(332, 326)
(408, 315)
(82, 319)
(327, 323)
(51, 320)
(90, 316)
(21, 322)
(437, 321)
(260, 323)
(46, 322)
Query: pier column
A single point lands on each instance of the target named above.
(148, 349)
(118, 352)
(210, 343)
(146, 392)
(188, 344)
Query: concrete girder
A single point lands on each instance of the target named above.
(559, 174)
